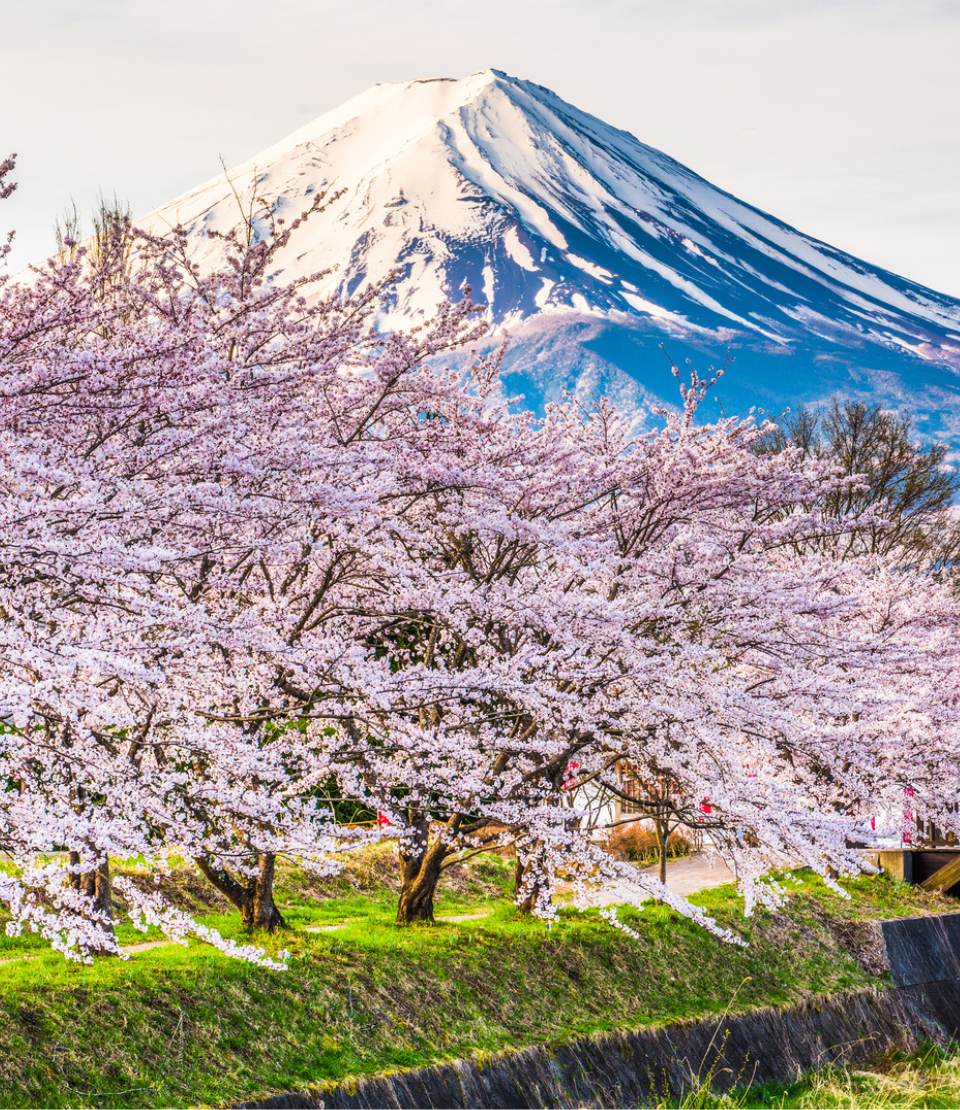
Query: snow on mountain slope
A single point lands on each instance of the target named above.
(591, 248)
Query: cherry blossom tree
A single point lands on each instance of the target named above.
(246, 452)
(792, 683)
(255, 546)
(120, 389)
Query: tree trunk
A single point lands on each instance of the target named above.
(420, 866)
(538, 888)
(95, 885)
(663, 835)
(253, 897)
(533, 884)
(259, 911)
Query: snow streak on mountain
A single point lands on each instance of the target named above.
(591, 249)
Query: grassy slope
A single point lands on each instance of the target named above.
(930, 1078)
(175, 1026)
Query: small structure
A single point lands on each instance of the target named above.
(927, 859)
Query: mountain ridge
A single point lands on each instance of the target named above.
(590, 245)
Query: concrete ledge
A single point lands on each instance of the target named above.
(897, 864)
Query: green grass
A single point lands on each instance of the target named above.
(930, 1078)
(179, 1026)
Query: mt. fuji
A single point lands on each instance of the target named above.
(591, 250)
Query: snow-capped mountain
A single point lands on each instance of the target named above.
(591, 249)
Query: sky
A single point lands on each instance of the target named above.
(841, 117)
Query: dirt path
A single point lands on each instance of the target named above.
(701, 871)
(686, 876)
(344, 924)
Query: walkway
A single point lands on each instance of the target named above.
(686, 876)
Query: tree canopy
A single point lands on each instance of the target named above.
(266, 565)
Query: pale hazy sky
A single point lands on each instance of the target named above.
(841, 117)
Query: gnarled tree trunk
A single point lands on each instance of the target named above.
(420, 866)
(95, 885)
(252, 896)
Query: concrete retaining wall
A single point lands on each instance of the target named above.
(923, 949)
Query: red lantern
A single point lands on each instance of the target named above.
(908, 815)
(571, 780)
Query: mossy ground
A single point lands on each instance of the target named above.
(179, 1026)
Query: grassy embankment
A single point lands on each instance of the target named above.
(176, 1026)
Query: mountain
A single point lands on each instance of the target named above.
(591, 250)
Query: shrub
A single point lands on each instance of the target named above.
(638, 843)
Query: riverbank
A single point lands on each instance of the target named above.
(683, 1063)
(180, 1026)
